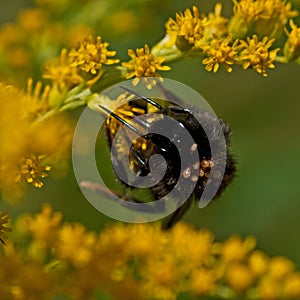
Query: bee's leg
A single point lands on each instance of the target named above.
(99, 189)
(176, 215)
(2, 241)
(126, 199)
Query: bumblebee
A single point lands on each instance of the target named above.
(145, 146)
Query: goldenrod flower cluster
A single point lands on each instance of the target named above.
(66, 260)
(76, 65)
(226, 41)
(62, 74)
(40, 32)
(4, 218)
(252, 53)
(143, 64)
(91, 55)
(138, 261)
(268, 17)
(292, 46)
(29, 144)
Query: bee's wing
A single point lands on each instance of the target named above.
(170, 96)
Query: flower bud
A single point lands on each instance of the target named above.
(182, 43)
(238, 27)
(291, 48)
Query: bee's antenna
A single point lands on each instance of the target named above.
(134, 152)
(152, 102)
(121, 120)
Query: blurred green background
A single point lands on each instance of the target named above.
(264, 114)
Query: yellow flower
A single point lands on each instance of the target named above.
(258, 262)
(239, 277)
(202, 243)
(126, 112)
(75, 244)
(269, 16)
(219, 52)
(256, 54)
(37, 100)
(235, 249)
(269, 288)
(217, 26)
(162, 282)
(138, 261)
(52, 138)
(32, 20)
(188, 25)
(292, 286)
(143, 64)
(292, 46)
(250, 10)
(280, 267)
(91, 55)
(254, 10)
(29, 143)
(24, 278)
(274, 17)
(44, 226)
(32, 170)
(202, 281)
(13, 136)
(4, 218)
(78, 33)
(63, 75)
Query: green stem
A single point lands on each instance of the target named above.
(45, 116)
(109, 78)
(282, 59)
(81, 95)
